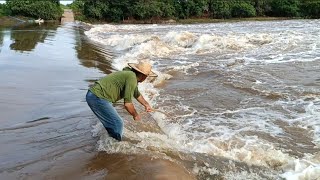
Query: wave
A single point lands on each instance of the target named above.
(189, 49)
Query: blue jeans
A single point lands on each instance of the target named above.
(107, 114)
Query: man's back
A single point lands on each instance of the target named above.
(117, 85)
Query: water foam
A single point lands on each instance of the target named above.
(302, 170)
(180, 39)
(308, 120)
(279, 45)
(220, 134)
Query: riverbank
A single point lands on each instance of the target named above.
(206, 20)
(10, 21)
(7, 21)
(68, 16)
(187, 21)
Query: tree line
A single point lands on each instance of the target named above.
(45, 9)
(118, 10)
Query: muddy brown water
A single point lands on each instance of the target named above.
(242, 102)
(46, 125)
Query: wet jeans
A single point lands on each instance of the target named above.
(107, 114)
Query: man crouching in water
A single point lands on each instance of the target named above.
(115, 86)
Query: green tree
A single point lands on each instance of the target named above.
(119, 10)
(178, 9)
(192, 8)
(310, 8)
(113, 10)
(243, 9)
(148, 10)
(261, 6)
(77, 7)
(220, 9)
(49, 9)
(4, 10)
(167, 9)
(285, 8)
(95, 8)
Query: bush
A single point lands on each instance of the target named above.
(95, 9)
(221, 9)
(146, 11)
(117, 10)
(168, 10)
(243, 9)
(49, 9)
(2, 10)
(178, 10)
(285, 8)
(115, 14)
(77, 7)
(311, 9)
(262, 7)
(114, 10)
(153, 9)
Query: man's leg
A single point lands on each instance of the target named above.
(107, 114)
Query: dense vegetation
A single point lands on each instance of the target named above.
(45, 9)
(4, 10)
(118, 10)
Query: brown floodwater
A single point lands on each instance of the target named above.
(45, 130)
(234, 101)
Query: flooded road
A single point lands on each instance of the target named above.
(46, 125)
(236, 101)
(44, 75)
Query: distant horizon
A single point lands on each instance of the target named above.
(64, 2)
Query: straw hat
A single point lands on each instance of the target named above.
(144, 68)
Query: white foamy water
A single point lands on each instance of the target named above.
(246, 91)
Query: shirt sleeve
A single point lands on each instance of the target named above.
(136, 93)
(129, 89)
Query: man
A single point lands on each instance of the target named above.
(119, 85)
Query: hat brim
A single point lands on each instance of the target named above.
(133, 65)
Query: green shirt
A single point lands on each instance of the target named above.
(116, 86)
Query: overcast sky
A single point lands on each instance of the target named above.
(66, 2)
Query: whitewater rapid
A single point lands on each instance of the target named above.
(243, 91)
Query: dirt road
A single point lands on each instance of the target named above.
(67, 16)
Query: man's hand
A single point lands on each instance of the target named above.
(137, 117)
(148, 108)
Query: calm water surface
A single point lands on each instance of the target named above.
(235, 101)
